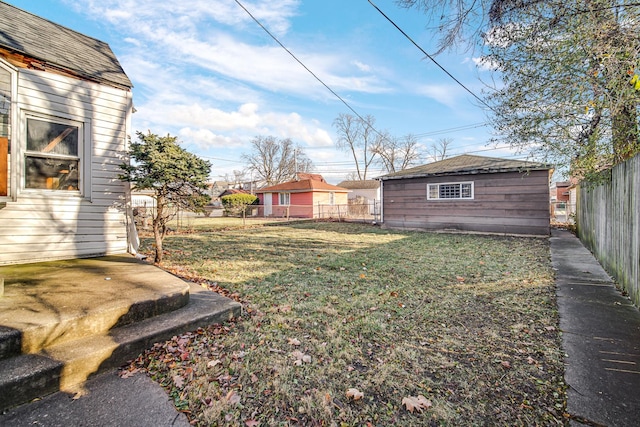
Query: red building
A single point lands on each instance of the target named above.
(312, 197)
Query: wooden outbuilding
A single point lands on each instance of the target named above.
(469, 193)
(65, 109)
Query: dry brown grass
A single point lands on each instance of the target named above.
(469, 322)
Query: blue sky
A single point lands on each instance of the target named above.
(205, 71)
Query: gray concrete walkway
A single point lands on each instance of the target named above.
(108, 401)
(601, 338)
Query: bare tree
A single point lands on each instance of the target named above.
(276, 160)
(396, 154)
(357, 136)
(438, 150)
(237, 178)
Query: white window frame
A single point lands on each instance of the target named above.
(13, 132)
(84, 153)
(433, 191)
(332, 198)
(284, 199)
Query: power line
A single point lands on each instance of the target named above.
(305, 67)
(454, 129)
(429, 56)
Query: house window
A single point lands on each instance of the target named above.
(457, 190)
(332, 199)
(285, 198)
(52, 155)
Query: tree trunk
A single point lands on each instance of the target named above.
(157, 234)
(158, 228)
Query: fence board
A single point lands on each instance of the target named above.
(608, 217)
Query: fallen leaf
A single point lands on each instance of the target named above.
(362, 275)
(178, 381)
(294, 341)
(505, 364)
(354, 393)
(252, 423)
(79, 394)
(460, 279)
(233, 398)
(213, 363)
(416, 403)
(306, 358)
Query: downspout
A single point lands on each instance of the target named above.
(133, 240)
(381, 199)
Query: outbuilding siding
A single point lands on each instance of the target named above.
(46, 225)
(508, 202)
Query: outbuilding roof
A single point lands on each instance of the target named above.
(467, 164)
(55, 46)
(366, 184)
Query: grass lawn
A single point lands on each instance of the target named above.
(348, 324)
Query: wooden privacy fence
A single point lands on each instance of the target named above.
(608, 220)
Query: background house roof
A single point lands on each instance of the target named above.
(59, 47)
(302, 186)
(305, 175)
(467, 164)
(229, 191)
(368, 184)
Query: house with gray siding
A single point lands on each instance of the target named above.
(469, 193)
(65, 109)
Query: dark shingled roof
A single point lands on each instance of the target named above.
(467, 164)
(58, 46)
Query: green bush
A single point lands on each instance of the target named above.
(235, 204)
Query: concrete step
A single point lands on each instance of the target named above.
(10, 342)
(47, 305)
(65, 365)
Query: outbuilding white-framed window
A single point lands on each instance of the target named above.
(53, 153)
(450, 191)
(284, 199)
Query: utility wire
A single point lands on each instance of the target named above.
(455, 129)
(429, 56)
(366, 122)
(305, 67)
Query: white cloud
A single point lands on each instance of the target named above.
(205, 126)
(206, 139)
(182, 34)
(275, 14)
(444, 94)
(362, 67)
